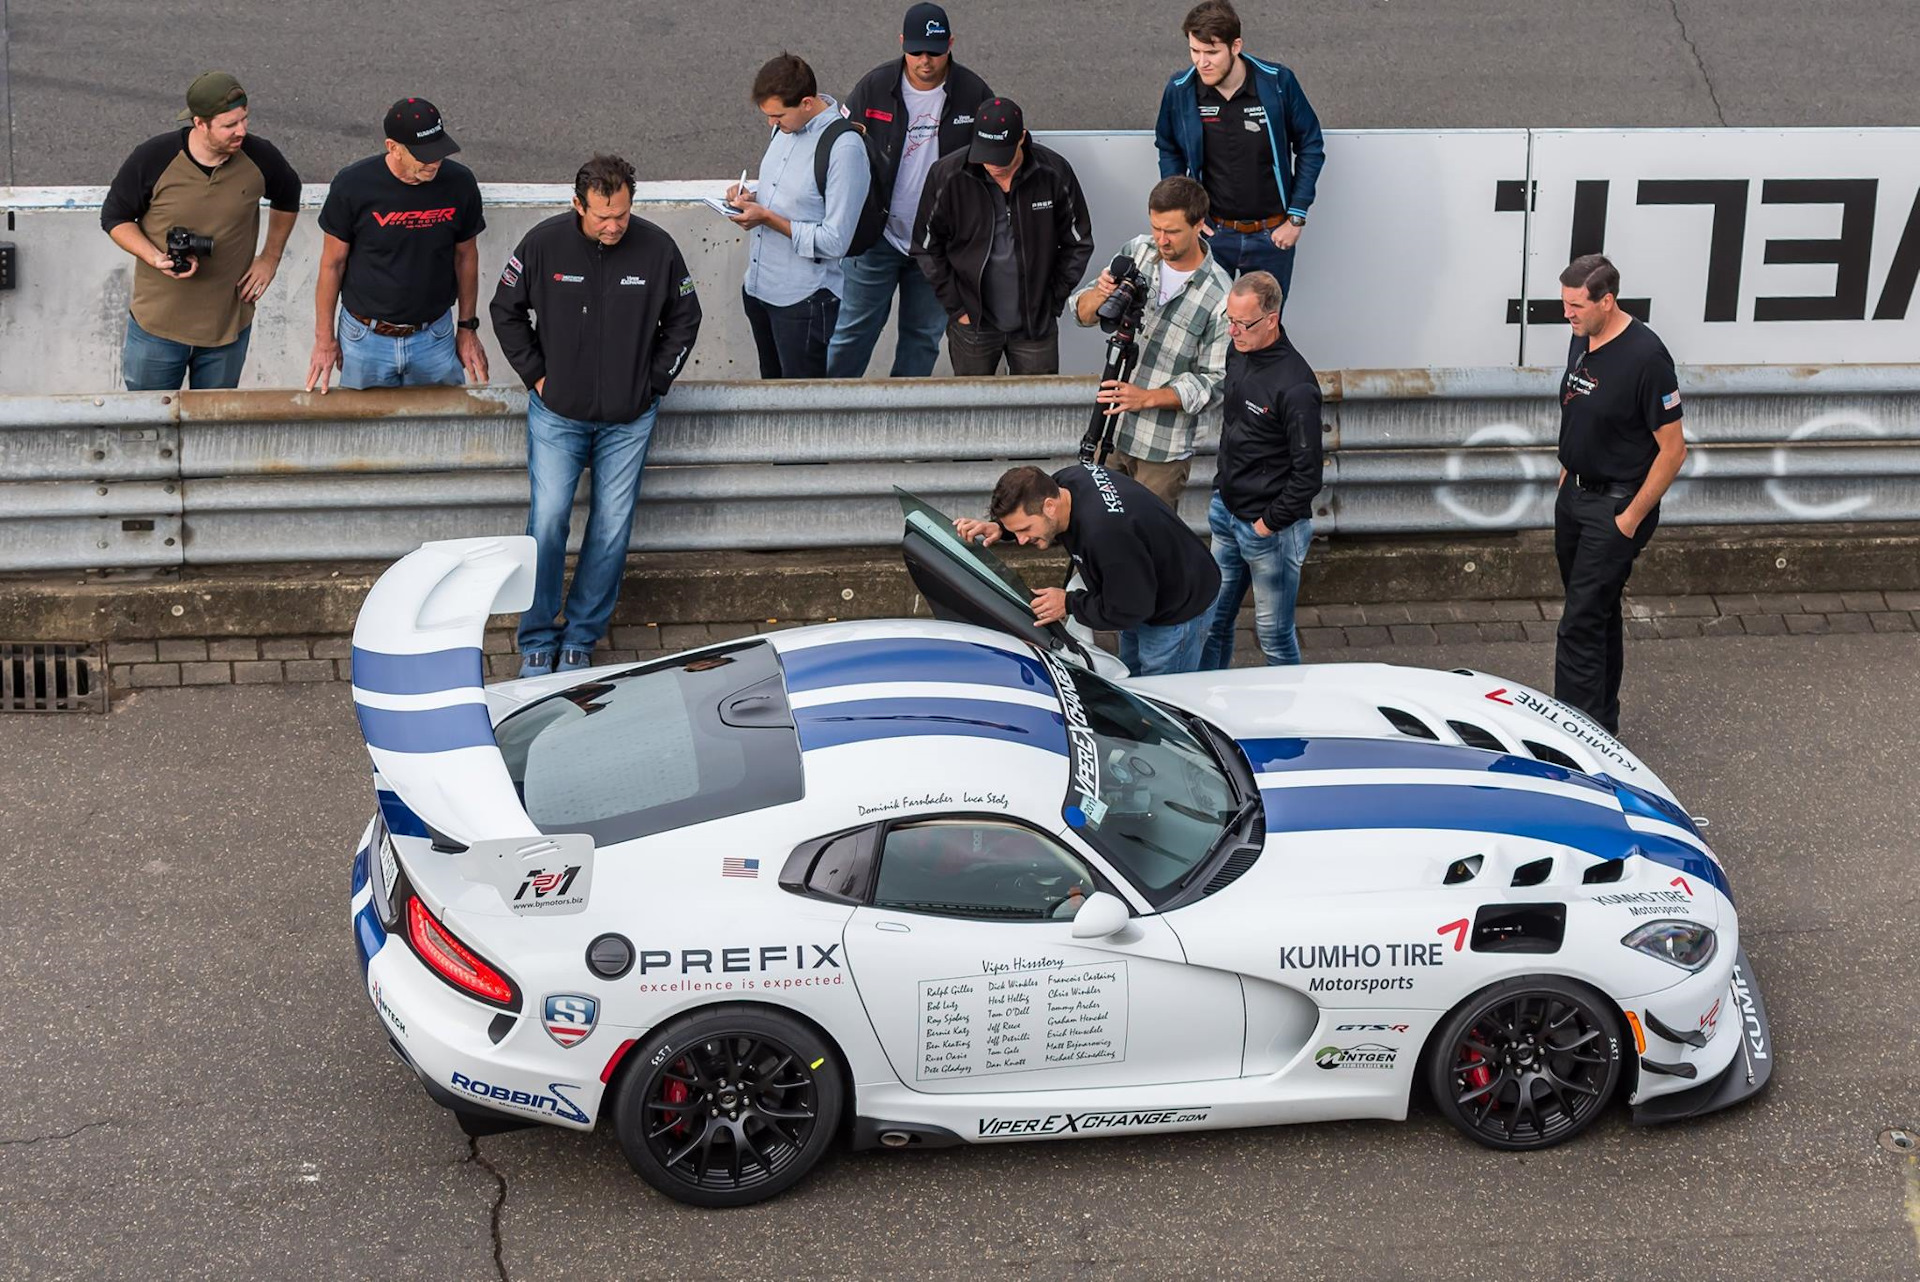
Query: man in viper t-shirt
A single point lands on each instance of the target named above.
(400, 247)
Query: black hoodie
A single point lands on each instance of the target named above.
(876, 106)
(1140, 562)
(616, 322)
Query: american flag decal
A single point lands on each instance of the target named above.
(733, 866)
(1670, 401)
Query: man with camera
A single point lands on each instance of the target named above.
(400, 245)
(1244, 128)
(918, 108)
(1004, 234)
(1270, 460)
(1170, 275)
(186, 206)
(1146, 575)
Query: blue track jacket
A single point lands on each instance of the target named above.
(1298, 154)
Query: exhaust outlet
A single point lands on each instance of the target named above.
(895, 1139)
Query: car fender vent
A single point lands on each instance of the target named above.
(1476, 737)
(1230, 871)
(1408, 724)
(1520, 928)
(1552, 756)
(1463, 870)
(1532, 874)
(51, 676)
(1605, 871)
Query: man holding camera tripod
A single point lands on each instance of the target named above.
(186, 205)
(1182, 339)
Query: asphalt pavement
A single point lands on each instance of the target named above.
(196, 1086)
(531, 89)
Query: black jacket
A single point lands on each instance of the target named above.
(1052, 234)
(876, 106)
(616, 323)
(1270, 453)
(1140, 562)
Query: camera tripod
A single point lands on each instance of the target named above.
(1123, 353)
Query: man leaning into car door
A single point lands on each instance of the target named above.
(617, 317)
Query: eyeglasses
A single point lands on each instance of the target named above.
(1239, 326)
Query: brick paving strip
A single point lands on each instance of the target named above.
(1325, 630)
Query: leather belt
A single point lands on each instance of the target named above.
(1598, 485)
(387, 329)
(1246, 227)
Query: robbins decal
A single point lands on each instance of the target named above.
(553, 1104)
(1079, 1123)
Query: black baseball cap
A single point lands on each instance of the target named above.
(415, 124)
(212, 93)
(926, 30)
(998, 128)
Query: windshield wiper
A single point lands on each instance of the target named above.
(1221, 842)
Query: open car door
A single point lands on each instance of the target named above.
(964, 583)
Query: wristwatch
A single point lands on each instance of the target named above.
(471, 322)
(1298, 220)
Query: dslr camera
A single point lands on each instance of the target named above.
(1124, 305)
(184, 246)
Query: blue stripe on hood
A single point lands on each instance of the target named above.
(1599, 830)
(1272, 756)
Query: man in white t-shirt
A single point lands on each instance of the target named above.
(920, 106)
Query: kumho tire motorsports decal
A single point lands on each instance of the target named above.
(1091, 1123)
(1571, 720)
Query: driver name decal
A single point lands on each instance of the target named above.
(1020, 1019)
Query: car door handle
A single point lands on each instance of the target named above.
(898, 927)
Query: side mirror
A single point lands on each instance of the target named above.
(1101, 915)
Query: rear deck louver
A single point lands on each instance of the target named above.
(1408, 724)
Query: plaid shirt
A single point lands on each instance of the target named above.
(1183, 345)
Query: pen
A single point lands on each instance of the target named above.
(740, 188)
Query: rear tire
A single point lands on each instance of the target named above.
(729, 1106)
(1527, 1063)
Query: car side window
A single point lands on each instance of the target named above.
(979, 868)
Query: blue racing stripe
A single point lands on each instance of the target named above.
(463, 725)
(360, 869)
(400, 819)
(861, 720)
(417, 673)
(1601, 831)
(1270, 756)
(846, 663)
(368, 935)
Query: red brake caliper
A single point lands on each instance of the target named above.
(1479, 1074)
(676, 1092)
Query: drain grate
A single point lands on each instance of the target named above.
(41, 676)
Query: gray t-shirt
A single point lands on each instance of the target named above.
(1000, 284)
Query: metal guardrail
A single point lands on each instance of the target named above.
(127, 480)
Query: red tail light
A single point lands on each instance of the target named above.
(454, 961)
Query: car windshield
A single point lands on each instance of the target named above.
(1143, 790)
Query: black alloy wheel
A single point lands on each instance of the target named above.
(1526, 1064)
(729, 1106)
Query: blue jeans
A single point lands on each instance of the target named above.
(557, 450)
(1150, 651)
(867, 298)
(427, 358)
(792, 339)
(1272, 566)
(1240, 252)
(150, 363)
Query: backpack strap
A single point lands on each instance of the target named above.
(823, 151)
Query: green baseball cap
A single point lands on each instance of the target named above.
(212, 93)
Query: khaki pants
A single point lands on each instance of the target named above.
(1168, 480)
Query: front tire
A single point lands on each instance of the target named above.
(1527, 1063)
(729, 1106)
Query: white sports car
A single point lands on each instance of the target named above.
(916, 883)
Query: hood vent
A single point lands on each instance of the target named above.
(1532, 874)
(1408, 724)
(1463, 870)
(1475, 737)
(1552, 756)
(1605, 871)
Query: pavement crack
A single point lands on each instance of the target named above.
(12, 1141)
(1718, 113)
(477, 1158)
